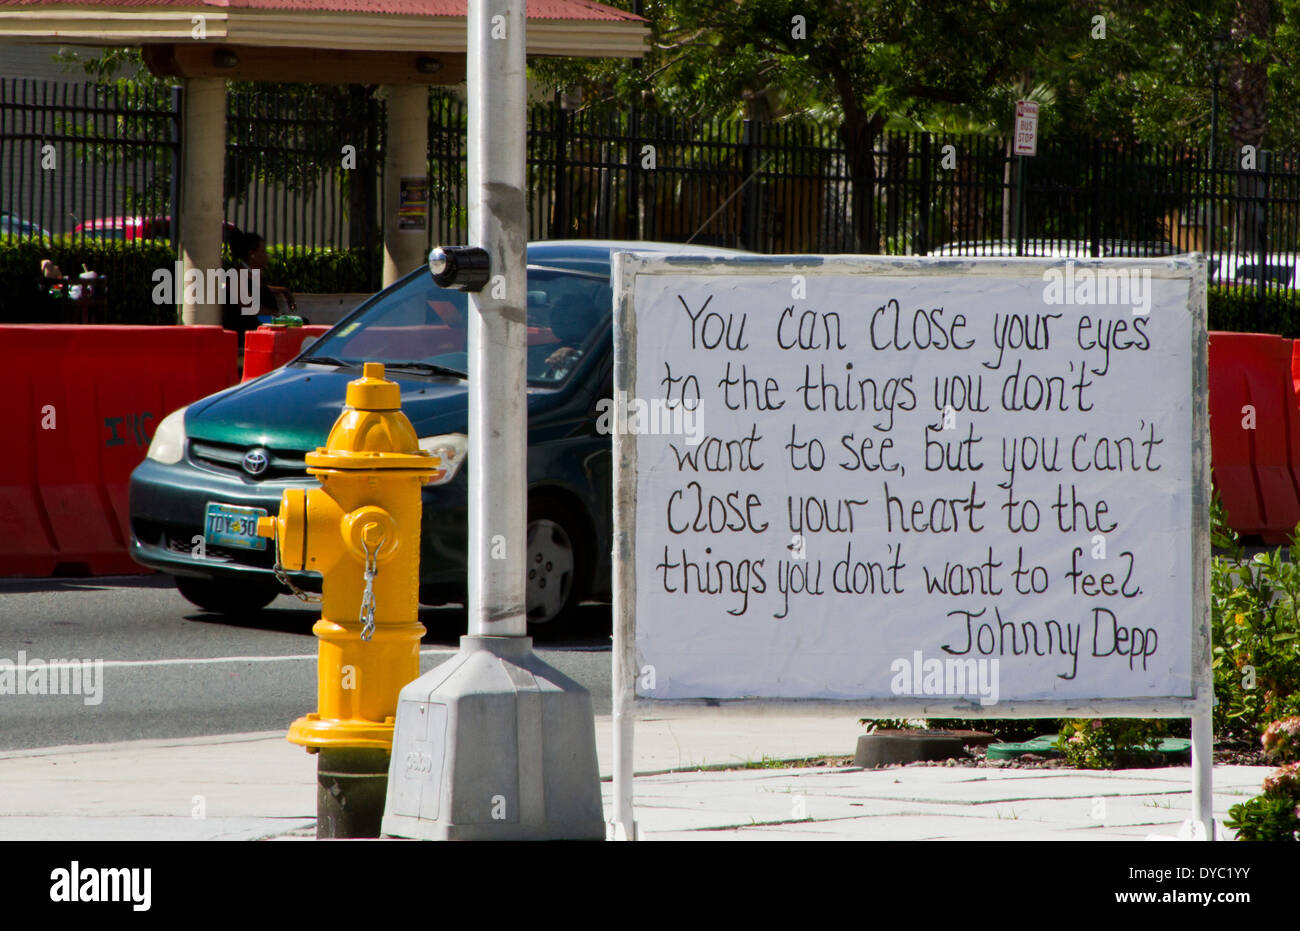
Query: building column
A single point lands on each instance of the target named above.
(406, 157)
(202, 206)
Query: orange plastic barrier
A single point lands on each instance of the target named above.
(272, 345)
(88, 399)
(1255, 432)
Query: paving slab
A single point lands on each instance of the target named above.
(948, 803)
(229, 776)
(110, 828)
(254, 786)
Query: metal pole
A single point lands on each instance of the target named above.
(624, 673)
(1203, 771)
(497, 326)
(1020, 205)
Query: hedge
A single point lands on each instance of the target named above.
(1239, 311)
(130, 267)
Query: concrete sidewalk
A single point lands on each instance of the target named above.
(254, 786)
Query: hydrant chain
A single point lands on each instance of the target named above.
(287, 582)
(368, 596)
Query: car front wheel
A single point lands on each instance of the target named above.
(555, 569)
(228, 597)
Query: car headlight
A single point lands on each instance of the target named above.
(451, 448)
(168, 443)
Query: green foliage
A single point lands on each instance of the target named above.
(129, 269)
(1145, 75)
(884, 724)
(1008, 730)
(1274, 815)
(1255, 635)
(318, 271)
(1005, 729)
(1110, 742)
(1239, 311)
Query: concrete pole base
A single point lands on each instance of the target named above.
(494, 744)
(351, 785)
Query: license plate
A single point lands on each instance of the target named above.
(228, 525)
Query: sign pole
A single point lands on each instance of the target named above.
(1025, 142)
(623, 676)
(494, 744)
(1203, 773)
(1020, 205)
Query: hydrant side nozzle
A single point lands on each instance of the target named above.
(371, 528)
(266, 527)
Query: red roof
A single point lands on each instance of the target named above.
(584, 10)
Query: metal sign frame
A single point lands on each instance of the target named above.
(1198, 706)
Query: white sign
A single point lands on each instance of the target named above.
(1026, 141)
(914, 482)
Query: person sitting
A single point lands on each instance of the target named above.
(250, 255)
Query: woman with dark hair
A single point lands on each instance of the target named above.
(250, 255)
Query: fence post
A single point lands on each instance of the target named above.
(560, 215)
(1261, 269)
(749, 203)
(631, 225)
(922, 246)
(1211, 208)
(1094, 221)
(174, 146)
(374, 220)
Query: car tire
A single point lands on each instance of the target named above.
(228, 597)
(557, 569)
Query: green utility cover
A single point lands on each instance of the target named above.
(1046, 746)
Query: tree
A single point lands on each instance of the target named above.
(1114, 70)
(866, 62)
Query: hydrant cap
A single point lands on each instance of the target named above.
(373, 392)
(372, 432)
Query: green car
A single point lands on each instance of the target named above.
(215, 466)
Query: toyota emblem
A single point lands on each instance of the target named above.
(256, 461)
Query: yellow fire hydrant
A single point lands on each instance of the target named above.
(361, 531)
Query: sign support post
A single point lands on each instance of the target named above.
(494, 744)
(1026, 144)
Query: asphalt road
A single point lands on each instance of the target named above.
(174, 670)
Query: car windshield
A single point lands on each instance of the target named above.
(423, 325)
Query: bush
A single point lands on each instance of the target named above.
(130, 266)
(1274, 815)
(1239, 311)
(319, 271)
(1255, 636)
(1111, 742)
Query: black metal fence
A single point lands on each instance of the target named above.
(74, 155)
(305, 168)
